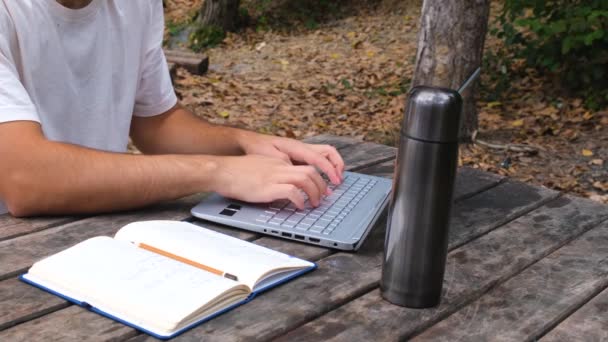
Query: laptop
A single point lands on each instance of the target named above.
(342, 221)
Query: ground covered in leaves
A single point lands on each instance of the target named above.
(346, 72)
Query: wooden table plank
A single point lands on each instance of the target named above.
(471, 271)
(529, 304)
(340, 278)
(589, 323)
(20, 302)
(11, 227)
(339, 142)
(515, 197)
(70, 324)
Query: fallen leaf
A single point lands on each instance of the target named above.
(599, 162)
(494, 104)
(600, 186)
(588, 116)
(517, 123)
(586, 152)
(224, 114)
(260, 46)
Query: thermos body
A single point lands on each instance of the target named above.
(420, 205)
(419, 212)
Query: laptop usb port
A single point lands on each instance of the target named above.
(274, 232)
(299, 237)
(286, 234)
(314, 240)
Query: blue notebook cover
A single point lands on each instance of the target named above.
(182, 330)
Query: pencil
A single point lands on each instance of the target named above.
(187, 261)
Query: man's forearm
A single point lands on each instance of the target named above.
(61, 178)
(180, 131)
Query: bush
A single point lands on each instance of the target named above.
(568, 38)
(205, 36)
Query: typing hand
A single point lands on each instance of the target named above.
(261, 179)
(324, 157)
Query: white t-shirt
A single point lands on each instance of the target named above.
(82, 74)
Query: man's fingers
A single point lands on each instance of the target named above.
(284, 157)
(280, 155)
(333, 155)
(312, 173)
(312, 157)
(288, 191)
(300, 177)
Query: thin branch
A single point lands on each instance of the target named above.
(508, 147)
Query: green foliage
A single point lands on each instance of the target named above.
(280, 15)
(204, 36)
(568, 38)
(175, 28)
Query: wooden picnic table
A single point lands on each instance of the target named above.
(525, 263)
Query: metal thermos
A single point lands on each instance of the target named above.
(419, 212)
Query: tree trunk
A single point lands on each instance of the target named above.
(450, 48)
(220, 13)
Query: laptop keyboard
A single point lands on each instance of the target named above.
(327, 216)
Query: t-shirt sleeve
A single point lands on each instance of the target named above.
(155, 94)
(15, 102)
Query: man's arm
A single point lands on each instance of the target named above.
(180, 131)
(38, 176)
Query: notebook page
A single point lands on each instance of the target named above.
(247, 261)
(142, 287)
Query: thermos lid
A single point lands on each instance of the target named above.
(433, 114)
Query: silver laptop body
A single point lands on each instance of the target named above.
(342, 221)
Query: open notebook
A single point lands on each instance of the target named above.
(163, 277)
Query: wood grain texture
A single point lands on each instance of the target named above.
(357, 154)
(20, 302)
(529, 304)
(510, 200)
(71, 324)
(336, 141)
(297, 249)
(589, 323)
(366, 154)
(471, 271)
(339, 278)
(195, 63)
(11, 227)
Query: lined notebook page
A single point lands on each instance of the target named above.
(228, 254)
(149, 289)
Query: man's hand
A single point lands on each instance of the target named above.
(324, 157)
(256, 178)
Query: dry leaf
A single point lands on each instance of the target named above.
(494, 104)
(517, 123)
(586, 152)
(600, 186)
(599, 162)
(588, 116)
(224, 114)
